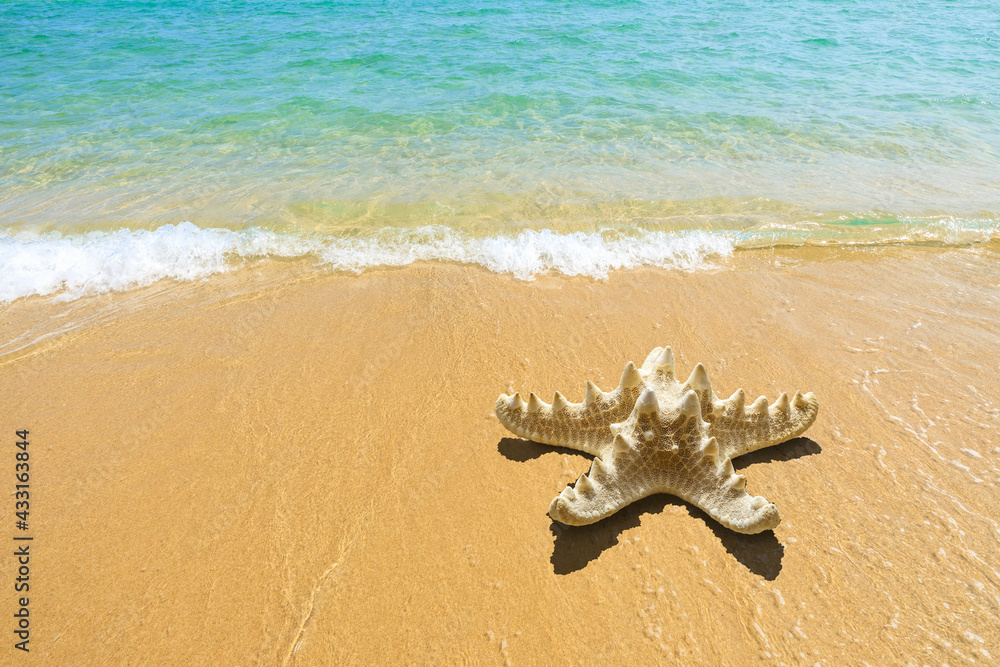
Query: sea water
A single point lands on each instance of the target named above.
(149, 140)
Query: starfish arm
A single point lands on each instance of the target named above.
(712, 485)
(583, 426)
(576, 428)
(596, 495)
(743, 430)
(739, 511)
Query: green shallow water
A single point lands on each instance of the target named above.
(800, 121)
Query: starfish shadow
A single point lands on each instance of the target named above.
(517, 449)
(576, 546)
(795, 448)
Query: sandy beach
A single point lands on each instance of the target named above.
(265, 269)
(281, 466)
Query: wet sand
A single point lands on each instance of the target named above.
(278, 466)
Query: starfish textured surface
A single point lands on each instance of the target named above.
(653, 434)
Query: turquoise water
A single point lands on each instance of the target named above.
(383, 132)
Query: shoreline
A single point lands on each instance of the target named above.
(99, 262)
(289, 467)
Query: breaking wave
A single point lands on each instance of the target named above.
(76, 265)
(71, 266)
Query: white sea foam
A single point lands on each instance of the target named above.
(77, 265)
(73, 266)
(70, 266)
(530, 253)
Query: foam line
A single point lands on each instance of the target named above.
(71, 266)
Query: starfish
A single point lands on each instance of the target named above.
(653, 434)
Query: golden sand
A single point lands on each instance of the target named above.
(279, 466)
